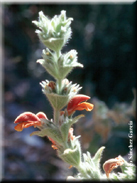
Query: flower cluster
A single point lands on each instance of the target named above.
(58, 101)
(59, 65)
(54, 33)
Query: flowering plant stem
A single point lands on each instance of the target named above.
(59, 86)
(54, 34)
(56, 116)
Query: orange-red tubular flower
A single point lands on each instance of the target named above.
(75, 104)
(41, 115)
(110, 164)
(28, 119)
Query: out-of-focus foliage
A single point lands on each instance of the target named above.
(103, 35)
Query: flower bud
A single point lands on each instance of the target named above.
(67, 62)
(54, 33)
(49, 62)
(59, 67)
(59, 101)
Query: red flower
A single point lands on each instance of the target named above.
(28, 119)
(110, 164)
(75, 104)
(41, 115)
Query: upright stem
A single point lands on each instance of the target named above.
(59, 81)
(56, 116)
(59, 86)
(57, 112)
(58, 53)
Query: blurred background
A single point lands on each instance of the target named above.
(104, 37)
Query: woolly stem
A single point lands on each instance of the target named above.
(56, 116)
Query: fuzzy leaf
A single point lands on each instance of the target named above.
(97, 157)
(71, 156)
(67, 124)
(57, 101)
(50, 132)
(74, 120)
